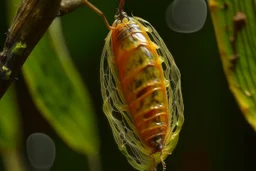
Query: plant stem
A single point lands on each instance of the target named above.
(12, 160)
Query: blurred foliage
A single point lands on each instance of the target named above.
(215, 136)
(235, 28)
(59, 93)
(10, 134)
(9, 121)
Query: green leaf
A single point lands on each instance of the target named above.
(9, 121)
(59, 93)
(235, 28)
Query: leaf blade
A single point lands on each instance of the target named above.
(235, 32)
(59, 93)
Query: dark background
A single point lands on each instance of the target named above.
(215, 135)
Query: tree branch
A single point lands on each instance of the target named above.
(67, 6)
(30, 23)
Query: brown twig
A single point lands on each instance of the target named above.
(67, 6)
(32, 20)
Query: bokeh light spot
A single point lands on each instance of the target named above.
(40, 151)
(186, 16)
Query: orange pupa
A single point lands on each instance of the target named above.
(141, 91)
